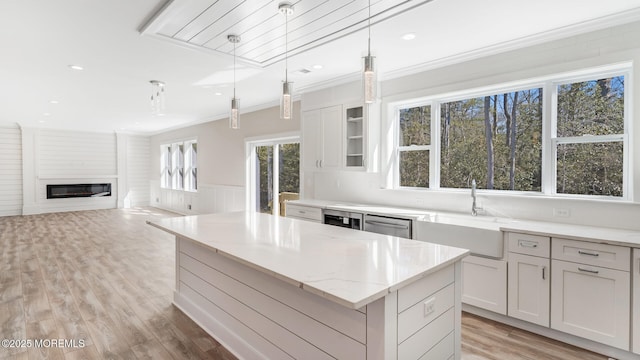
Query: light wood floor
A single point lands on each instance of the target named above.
(106, 277)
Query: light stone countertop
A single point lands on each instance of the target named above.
(622, 237)
(350, 267)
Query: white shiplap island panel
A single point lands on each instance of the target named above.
(277, 288)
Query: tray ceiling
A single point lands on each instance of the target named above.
(205, 24)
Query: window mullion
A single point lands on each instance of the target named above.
(434, 153)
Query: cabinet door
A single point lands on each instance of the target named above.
(311, 139)
(636, 301)
(484, 283)
(528, 288)
(591, 302)
(331, 138)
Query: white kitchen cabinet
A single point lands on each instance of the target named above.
(361, 136)
(354, 136)
(635, 286)
(322, 138)
(589, 300)
(304, 212)
(529, 278)
(484, 283)
(528, 288)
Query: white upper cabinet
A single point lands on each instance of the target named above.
(322, 138)
(361, 136)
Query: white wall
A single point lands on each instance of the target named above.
(11, 170)
(138, 162)
(609, 46)
(221, 161)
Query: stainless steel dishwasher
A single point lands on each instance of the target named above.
(388, 225)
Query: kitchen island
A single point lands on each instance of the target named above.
(277, 288)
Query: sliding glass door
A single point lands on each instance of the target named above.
(274, 175)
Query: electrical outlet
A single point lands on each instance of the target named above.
(429, 306)
(560, 212)
(189, 207)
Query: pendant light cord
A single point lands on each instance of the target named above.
(369, 25)
(234, 69)
(286, 46)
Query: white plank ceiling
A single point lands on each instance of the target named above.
(205, 24)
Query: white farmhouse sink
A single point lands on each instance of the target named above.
(481, 235)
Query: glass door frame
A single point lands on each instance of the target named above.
(251, 144)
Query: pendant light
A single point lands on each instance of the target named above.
(157, 97)
(234, 114)
(369, 74)
(286, 102)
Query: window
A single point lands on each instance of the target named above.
(165, 166)
(178, 166)
(497, 137)
(414, 146)
(191, 166)
(177, 160)
(494, 139)
(590, 137)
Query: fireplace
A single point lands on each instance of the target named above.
(60, 191)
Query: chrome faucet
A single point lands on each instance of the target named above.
(474, 209)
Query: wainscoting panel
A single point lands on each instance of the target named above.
(208, 199)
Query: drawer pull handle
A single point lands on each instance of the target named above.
(589, 270)
(528, 244)
(543, 277)
(302, 211)
(587, 253)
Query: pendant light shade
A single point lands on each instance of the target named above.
(369, 81)
(234, 113)
(157, 97)
(286, 101)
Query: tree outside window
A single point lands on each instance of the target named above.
(495, 139)
(590, 137)
(414, 144)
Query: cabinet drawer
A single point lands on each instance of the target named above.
(529, 244)
(304, 212)
(411, 295)
(424, 312)
(604, 255)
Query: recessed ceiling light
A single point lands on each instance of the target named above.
(76, 67)
(41, 121)
(217, 93)
(409, 36)
(53, 101)
(46, 114)
(317, 67)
